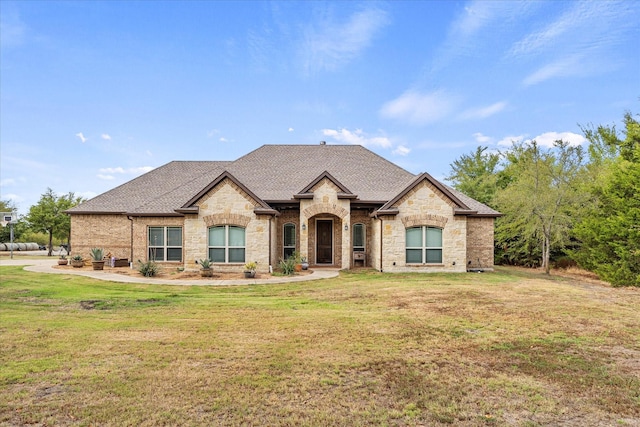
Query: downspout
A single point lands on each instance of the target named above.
(380, 244)
(131, 247)
(270, 243)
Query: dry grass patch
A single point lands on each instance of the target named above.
(507, 348)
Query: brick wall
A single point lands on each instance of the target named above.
(480, 243)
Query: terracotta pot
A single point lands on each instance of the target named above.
(62, 262)
(77, 264)
(298, 268)
(206, 272)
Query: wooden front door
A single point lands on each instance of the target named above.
(324, 242)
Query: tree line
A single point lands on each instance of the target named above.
(564, 202)
(558, 203)
(47, 216)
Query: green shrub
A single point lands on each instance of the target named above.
(287, 266)
(148, 269)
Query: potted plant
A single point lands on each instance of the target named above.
(62, 260)
(250, 269)
(297, 260)
(205, 267)
(303, 261)
(77, 261)
(97, 258)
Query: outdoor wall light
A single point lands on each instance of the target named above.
(346, 227)
(304, 227)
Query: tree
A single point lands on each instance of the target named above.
(609, 231)
(539, 202)
(476, 174)
(18, 229)
(48, 215)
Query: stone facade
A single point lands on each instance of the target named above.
(467, 240)
(424, 205)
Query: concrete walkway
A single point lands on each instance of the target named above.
(45, 265)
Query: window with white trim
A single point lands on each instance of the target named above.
(165, 244)
(424, 245)
(358, 238)
(227, 244)
(288, 240)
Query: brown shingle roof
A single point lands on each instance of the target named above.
(159, 191)
(272, 172)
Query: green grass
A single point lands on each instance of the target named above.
(505, 348)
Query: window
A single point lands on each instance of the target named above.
(424, 245)
(226, 244)
(358, 238)
(165, 244)
(289, 240)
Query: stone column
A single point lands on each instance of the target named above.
(346, 242)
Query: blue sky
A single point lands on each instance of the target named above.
(95, 93)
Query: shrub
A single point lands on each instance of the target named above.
(287, 266)
(565, 262)
(97, 254)
(204, 263)
(148, 269)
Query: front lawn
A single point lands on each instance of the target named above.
(506, 348)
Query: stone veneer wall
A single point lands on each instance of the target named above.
(425, 205)
(480, 242)
(326, 205)
(227, 204)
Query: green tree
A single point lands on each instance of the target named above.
(476, 174)
(609, 230)
(18, 228)
(48, 215)
(539, 202)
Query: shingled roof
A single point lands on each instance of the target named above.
(274, 173)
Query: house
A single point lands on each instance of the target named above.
(337, 205)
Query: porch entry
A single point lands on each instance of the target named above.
(324, 241)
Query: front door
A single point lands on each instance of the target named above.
(324, 242)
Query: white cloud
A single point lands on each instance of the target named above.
(327, 45)
(290, 129)
(213, 132)
(401, 150)
(106, 177)
(564, 67)
(475, 29)
(105, 136)
(223, 139)
(483, 112)
(580, 41)
(483, 139)
(420, 108)
(508, 141)
(548, 138)
(121, 170)
(81, 136)
(13, 31)
(7, 182)
(357, 137)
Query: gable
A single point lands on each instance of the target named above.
(232, 188)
